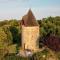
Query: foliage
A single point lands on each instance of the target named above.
(50, 24)
(15, 35)
(15, 57)
(3, 38)
(3, 43)
(12, 48)
(13, 22)
(10, 32)
(41, 55)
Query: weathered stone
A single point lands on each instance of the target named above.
(30, 37)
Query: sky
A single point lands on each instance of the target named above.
(15, 9)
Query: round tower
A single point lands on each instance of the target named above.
(30, 32)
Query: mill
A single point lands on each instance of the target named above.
(30, 32)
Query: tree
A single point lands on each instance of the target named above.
(16, 35)
(3, 43)
(8, 33)
(13, 22)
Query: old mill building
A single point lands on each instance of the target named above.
(30, 32)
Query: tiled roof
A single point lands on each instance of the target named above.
(29, 19)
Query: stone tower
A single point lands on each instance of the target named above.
(30, 32)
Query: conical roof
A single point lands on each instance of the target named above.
(29, 19)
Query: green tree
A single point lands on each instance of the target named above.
(16, 35)
(3, 43)
(8, 33)
(13, 22)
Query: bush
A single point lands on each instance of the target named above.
(12, 48)
(15, 57)
(40, 55)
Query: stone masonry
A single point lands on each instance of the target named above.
(30, 32)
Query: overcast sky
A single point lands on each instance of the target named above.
(15, 9)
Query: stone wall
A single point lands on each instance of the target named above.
(30, 37)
